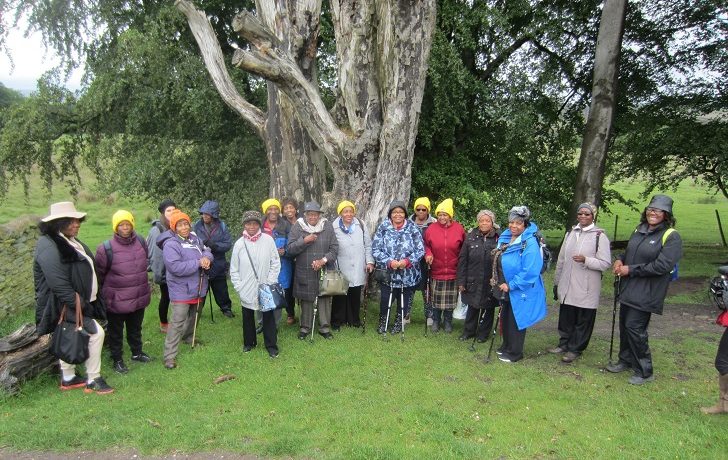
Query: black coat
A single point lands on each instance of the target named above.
(306, 280)
(650, 264)
(475, 268)
(59, 272)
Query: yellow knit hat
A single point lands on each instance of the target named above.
(424, 201)
(445, 206)
(343, 205)
(120, 216)
(270, 202)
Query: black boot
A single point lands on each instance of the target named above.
(448, 321)
(382, 322)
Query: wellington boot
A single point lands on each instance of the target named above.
(721, 407)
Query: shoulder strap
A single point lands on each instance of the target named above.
(666, 234)
(599, 236)
(252, 265)
(143, 243)
(109, 254)
(160, 227)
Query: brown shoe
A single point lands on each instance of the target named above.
(569, 357)
(556, 350)
(163, 327)
(170, 364)
(291, 320)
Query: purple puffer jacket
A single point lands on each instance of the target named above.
(124, 284)
(182, 262)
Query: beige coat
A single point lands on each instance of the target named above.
(579, 283)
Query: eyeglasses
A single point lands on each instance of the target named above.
(655, 211)
(583, 214)
(421, 210)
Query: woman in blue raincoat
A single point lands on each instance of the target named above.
(520, 288)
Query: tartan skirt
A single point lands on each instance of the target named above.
(444, 294)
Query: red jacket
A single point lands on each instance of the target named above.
(444, 243)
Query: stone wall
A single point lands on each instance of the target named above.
(17, 244)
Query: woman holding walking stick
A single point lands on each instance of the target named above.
(475, 266)
(645, 269)
(185, 258)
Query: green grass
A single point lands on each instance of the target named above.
(359, 396)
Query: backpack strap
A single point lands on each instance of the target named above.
(109, 254)
(599, 236)
(666, 234)
(143, 243)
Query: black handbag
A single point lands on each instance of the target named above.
(70, 340)
(382, 276)
(270, 296)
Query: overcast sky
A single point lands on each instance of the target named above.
(31, 61)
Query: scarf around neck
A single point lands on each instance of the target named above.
(318, 228)
(253, 238)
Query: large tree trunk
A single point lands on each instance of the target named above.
(598, 132)
(368, 138)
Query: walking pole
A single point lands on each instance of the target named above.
(401, 303)
(313, 322)
(617, 282)
(212, 318)
(495, 327)
(197, 307)
(481, 315)
(389, 308)
(364, 305)
(427, 300)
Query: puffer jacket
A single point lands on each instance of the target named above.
(522, 271)
(124, 284)
(394, 244)
(444, 243)
(280, 235)
(650, 264)
(306, 280)
(475, 268)
(579, 283)
(216, 237)
(182, 261)
(59, 272)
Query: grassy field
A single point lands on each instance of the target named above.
(359, 396)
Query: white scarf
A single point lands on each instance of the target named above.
(79, 248)
(312, 229)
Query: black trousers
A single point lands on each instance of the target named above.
(115, 335)
(163, 303)
(290, 302)
(345, 308)
(219, 289)
(397, 294)
(513, 339)
(575, 327)
(270, 331)
(485, 316)
(721, 359)
(634, 349)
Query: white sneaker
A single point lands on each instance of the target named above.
(429, 322)
(504, 359)
(406, 319)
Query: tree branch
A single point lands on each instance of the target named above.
(215, 64)
(270, 61)
(495, 64)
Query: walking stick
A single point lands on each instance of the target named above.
(617, 282)
(495, 327)
(313, 322)
(389, 308)
(364, 305)
(427, 300)
(401, 303)
(212, 318)
(197, 308)
(481, 315)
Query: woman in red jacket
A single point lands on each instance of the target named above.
(443, 240)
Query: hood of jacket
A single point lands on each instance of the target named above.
(164, 237)
(210, 207)
(527, 233)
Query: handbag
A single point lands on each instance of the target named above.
(270, 296)
(382, 276)
(70, 340)
(333, 282)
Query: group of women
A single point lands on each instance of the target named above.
(485, 267)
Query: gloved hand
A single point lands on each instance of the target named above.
(556, 292)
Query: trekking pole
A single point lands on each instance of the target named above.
(401, 303)
(495, 327)
(389, 308)
(364, 305)
(212, 318)
(427, 300)
(313, 322)
(197, 307)
(481, 316)
(617, 282)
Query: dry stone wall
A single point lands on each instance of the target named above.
(17, 244)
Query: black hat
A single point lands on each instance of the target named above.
(662, 202)
(165, 204)
(394, 205)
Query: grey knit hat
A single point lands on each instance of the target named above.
(252, 215)
(588, 206)
(519, 212)
(394, 205)
(489, 213)
(662, 202)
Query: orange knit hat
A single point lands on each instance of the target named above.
(176, 216)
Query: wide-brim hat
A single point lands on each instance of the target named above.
(61, 210)
(661, 202)
(312, 206)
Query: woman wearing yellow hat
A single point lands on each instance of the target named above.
(278, 227)
(422, 219)
(121, 266)
(443, 241)
(355, 262)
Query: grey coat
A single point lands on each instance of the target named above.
(355, 252)
(155, 260)
(579, 284)
(306, 280)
